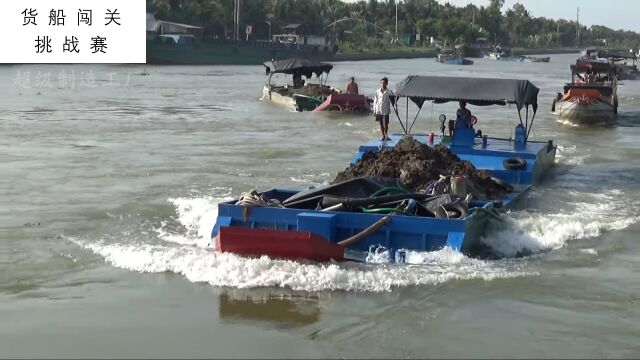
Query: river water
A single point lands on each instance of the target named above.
(110, 180)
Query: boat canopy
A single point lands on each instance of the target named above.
(297, 66)
(595, 66)
(475, 91)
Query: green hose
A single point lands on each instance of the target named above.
(386, 191)
(390, 190)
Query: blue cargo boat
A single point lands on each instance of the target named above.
(451, 57)
(302, 225)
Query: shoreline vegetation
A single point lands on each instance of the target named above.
(418, 53)
(410, 28)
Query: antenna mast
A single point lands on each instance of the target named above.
(578, 27)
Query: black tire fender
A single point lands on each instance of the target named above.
(455, 207)
(515, 163)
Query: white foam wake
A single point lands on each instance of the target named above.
(197, 216)
(533, 232)
(185, 250)
(223, 269)
(569, 155)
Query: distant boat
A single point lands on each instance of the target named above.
(451, 57)
(303, 96)
(591, 97)
(624, 64)
(506, 55)
(538, 59)
(500, 54)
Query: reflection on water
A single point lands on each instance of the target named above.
(274, 306)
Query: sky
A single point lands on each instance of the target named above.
(615, 14)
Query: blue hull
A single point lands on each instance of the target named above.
(458, 61)
(404, 232)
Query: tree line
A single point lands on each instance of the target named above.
(374, 19)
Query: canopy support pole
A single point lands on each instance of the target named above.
(395, 110)
(526, 127)
(531, 127)
(406, 119)
(520, 116)
(415, 118)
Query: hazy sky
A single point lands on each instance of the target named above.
(616, 14)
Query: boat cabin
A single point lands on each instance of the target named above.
(473, 91)
(297, 68)
(592, 72)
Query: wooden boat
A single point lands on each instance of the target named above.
(591, 97)
(344, 221)
(303, 96)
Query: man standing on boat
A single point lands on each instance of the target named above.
(352, 87)
(382, 107)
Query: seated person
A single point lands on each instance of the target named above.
(463, 116)
(297, 81)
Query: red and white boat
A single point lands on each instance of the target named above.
(591, 97)
(345, 102)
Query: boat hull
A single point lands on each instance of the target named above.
(587, 112)
(457, 61)
(314, 235)
(289, 99)
(539, 59)
(345, 103)
(279, 98)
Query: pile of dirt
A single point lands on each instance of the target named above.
(417, 165)
(315, 90)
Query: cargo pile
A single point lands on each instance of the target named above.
(417, 166)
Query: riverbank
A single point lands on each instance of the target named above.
(385, 55)
(431, 53)
(520, 51)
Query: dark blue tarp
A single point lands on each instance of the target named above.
(297, 66)
(475, 91)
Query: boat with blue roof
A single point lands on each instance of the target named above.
(469, 180)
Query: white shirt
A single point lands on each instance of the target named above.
(382, 102)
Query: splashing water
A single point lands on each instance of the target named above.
(186, 248)
(190, 254)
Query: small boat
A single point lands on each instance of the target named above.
(625, 65)
(539, 59)
(502, 54)
(350, 218)
(304, 96)
(451, 57)
(591, 97)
